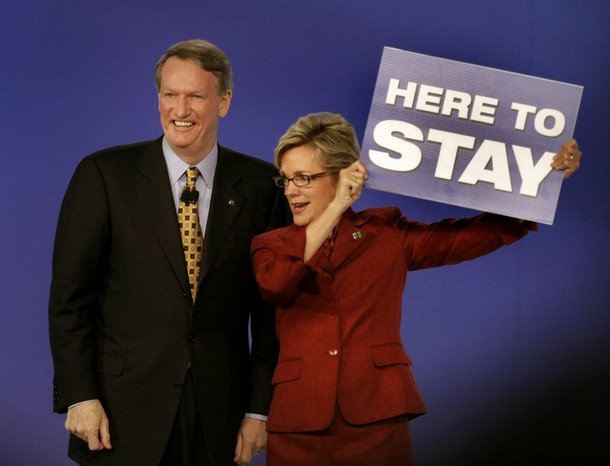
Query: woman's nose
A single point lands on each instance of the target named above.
(291, 189)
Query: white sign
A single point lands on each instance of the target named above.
(468, 135)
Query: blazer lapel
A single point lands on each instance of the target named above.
(350, 238)
(155, 194)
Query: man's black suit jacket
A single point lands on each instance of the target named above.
(123, 327)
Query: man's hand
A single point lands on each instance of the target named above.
(89, 422)
(252, 439)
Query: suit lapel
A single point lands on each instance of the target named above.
(155, 194)
(225, 205)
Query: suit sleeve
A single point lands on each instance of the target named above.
(78, 274)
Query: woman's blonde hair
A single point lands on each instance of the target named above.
(331, 136)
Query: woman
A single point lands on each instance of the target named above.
(343, 390)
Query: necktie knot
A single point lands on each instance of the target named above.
(190, 195)
(192, 173)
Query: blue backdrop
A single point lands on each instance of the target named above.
(511, 351)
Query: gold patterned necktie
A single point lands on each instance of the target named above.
(190, 229)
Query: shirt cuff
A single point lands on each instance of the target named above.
(258, 417)
(81, 402)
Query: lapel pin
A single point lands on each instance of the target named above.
(357, 235)
(231, 202)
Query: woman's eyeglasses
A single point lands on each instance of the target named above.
(298, 180)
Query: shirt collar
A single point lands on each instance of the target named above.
(176, 166)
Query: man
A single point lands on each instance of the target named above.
(149, 371)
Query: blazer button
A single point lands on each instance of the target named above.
(333, 352)
(178, 386)
(192, 339)
(332, 315)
